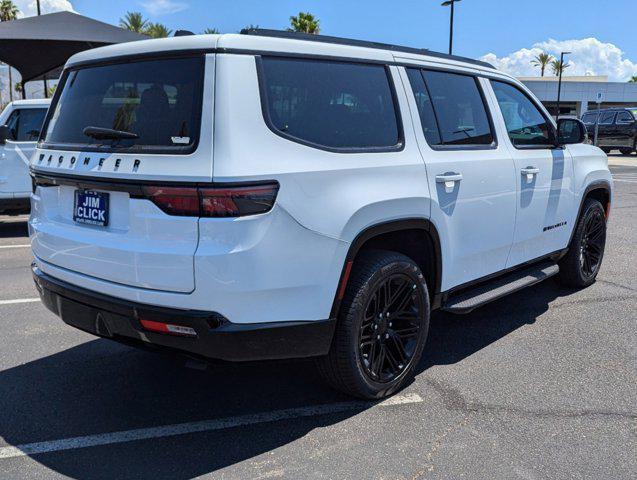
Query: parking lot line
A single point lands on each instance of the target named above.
(198, 427)
(19, 300)
(15, 246)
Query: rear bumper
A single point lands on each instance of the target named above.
(217, 337)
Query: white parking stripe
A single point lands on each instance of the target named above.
(15, 246)
(196, 427)
(19, 300)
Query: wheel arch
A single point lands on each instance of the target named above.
(385, 236)
(600, 190)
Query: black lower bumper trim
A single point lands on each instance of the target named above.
(217, 337)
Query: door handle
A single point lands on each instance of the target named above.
(449, 179)
(530, 172)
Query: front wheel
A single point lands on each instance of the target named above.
(581, 264)
(382, 327)
(626, 151)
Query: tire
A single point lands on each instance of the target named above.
(351, 365)
(580, 266)
(626, 151)
(606, 150)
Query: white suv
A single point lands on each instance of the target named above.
(20, 125)
(272, 195)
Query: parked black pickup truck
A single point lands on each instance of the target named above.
(617, 128)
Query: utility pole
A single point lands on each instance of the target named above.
(46, 86)
(559, 84)
(450, 3)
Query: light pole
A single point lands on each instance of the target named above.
(450, 3)
(46, 86)
(559, 84)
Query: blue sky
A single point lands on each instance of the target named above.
(500, 27)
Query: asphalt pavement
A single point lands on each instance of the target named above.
(542, 384)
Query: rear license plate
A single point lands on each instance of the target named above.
(91, 208)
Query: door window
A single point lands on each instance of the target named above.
(525, 123)
(451, 109)
(25, 124)
(589, 118)
(606, 118)
(624, 118)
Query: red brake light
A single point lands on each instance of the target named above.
(237, 201)
(183, 201)
(231, 201)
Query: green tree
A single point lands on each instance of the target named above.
(8, 12)
(157, 30)
(633, 79)
(18, 87)
(135, 22)
(542, 60)
(211, 31)
(558, 67)
(305, 22)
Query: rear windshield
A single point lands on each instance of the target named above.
(158, 101)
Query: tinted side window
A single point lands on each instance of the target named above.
(425, 107)
(25, 124)
(589, 118)
(525, 123)
(606, 118)
(624, 117)
(459, 109)
(331, 104)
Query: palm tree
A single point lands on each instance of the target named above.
(542, 60)
(8, 12)
(157, 30)
(305, 22)
(211, 31)
(633, 79)
(134, 21)
(558, 67)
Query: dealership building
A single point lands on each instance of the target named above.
(580, 94)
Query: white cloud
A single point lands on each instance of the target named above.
(28, 8)
(589, 57)
(163, 7)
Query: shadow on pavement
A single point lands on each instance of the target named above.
(101, 387)
(13, 227)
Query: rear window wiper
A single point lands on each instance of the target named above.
(100, 133)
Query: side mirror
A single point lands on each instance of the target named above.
(5, 134)
(570, 131)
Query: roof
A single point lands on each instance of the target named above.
(32, 102)
(294, 44)
(37, 45)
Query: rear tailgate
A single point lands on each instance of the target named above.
(128, 239)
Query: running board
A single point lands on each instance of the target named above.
(468, 300)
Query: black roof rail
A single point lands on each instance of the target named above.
(357, 43)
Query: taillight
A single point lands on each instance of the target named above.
(228, 201)
(168, 328)
(182, 201)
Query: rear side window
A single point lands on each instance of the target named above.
(333, 105)
(589, 118)
(25, 124)
(606, 118)
(624, 117)
(451, 109)
(526, 125)
(159, 101)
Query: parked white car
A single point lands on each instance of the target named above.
(274, 195)
(20, 125)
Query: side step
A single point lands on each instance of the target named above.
(468, 300)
